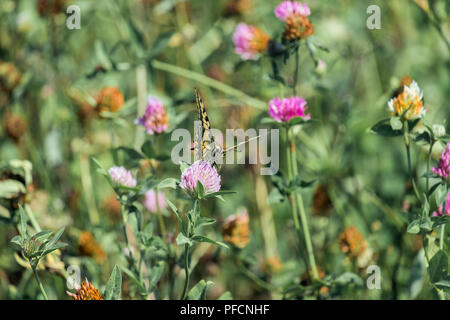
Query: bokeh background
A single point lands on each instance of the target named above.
(166, 48)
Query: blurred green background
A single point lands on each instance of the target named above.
(166, 48)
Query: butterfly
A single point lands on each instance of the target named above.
(205, 147)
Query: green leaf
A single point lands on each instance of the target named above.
(156, 274)
(218, 193)
(199, 238)
(23, 222)
(226, 296)
(438, 268)
(183, 166)
(150, 152)
(443, 283)
(297, 121)
(133, 278)
(11, 189)
(383, 128)
(348, 278)
(101, 170)
(43, 235)
(434, 188)
(200, 190)
(416, 277)
(182, 240)
(437, 221)
(53, 248)
(275, 197)
(414, 227)
(202, 221)
(268, 120)
(160, 43)
(127, 157)
(426, 224)
(198, 292)
(55, 238)
(440, 194)
(168, 183)
(424, 136)
(17, 240)
(174, 210)
(114, 285)
(396, 123)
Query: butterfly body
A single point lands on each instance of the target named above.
(205, 148)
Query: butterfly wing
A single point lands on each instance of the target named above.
(204, 145)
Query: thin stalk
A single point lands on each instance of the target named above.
(32, 218)
(408, 153)
(39, 282)
(298, 207)
(207, 81)
(124, 228)
(442, 234)
(303, 217)
(428, 167)
(265, 285)
(186, 269)
(290, 177)
(297, 57)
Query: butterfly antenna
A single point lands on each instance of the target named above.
(239, 144)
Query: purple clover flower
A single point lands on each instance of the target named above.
(155, 119)
(443, 168)
(283, 110)
(439, 213)
(154, 200)
(200, 171)
(122, 176)
(291, 8)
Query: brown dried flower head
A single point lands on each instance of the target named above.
(352, 242)
(305, 280)
(10, 76)
(113, 208)
(51, 7)
(86, 292)
(235, 229)
(15, 127)
(321, 202)
(297, 27)
(109, 99)
(238, 7)
(89, 247)
(272, 265)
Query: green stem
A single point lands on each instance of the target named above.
(428, 168)
(207, 81)
(408, 153)
(309, 247)
(257, 280)
(297, 58)
(133, 260)
(186, 269)
(297, 204)
(442, 235)
(32, 218)
(39, 282)
(290, 177)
